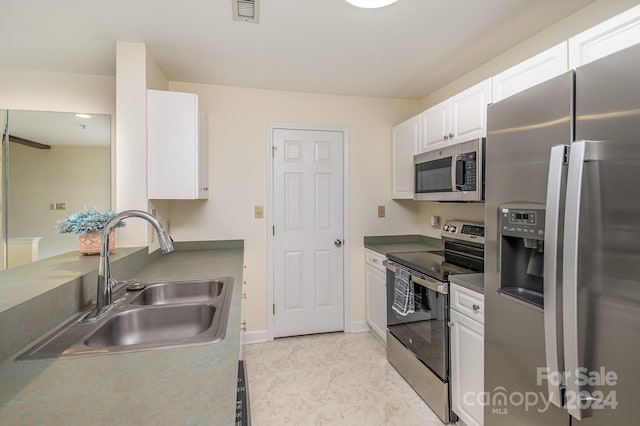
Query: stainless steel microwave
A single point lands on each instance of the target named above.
(453, 173)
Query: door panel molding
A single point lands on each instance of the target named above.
(320, 153)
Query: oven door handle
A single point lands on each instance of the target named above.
(437, 286)
(389, 265)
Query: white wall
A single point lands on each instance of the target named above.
(238, 120)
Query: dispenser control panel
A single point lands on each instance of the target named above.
(523, 223)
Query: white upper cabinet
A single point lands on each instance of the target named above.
(535, 70)
(177, 147)
(469, 113)
(435, 127)
(610, 36)
(405, 138)
(458, 119)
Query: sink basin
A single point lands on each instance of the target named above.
(144, 326)
(164, 314)
(179, 292)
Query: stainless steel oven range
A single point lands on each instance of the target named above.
(417, 331)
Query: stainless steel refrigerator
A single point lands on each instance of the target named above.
(562, 250)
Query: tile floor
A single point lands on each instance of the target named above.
(329, 379)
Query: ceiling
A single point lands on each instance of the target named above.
(406, 50)
(60, 128)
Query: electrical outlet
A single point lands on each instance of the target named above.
(58, 206)
(381, 211)
(258, 212)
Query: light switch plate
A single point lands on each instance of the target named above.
(258, 212)
(381, 211)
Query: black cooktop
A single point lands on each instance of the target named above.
(431, 263)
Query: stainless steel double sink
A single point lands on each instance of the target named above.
(162, 315)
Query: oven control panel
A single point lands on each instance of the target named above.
(464, 231)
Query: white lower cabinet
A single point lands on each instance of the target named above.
(376, 289)
(467, 355)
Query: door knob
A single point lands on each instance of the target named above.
(338, 243)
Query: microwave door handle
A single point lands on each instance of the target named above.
(460, 165)
(552, 314)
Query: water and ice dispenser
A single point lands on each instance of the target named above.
(522, 252)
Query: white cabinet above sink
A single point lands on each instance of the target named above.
(177, 147)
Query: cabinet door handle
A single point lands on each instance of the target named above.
(446, 136)
(451, 135)
(476, 308)
(450, 324)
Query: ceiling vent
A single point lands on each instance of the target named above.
(246, 10)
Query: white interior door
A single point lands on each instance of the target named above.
(308, 232)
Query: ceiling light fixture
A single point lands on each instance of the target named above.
(83, 115)
(371, 4)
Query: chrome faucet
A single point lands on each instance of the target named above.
(105, 282)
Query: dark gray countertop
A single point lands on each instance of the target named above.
(473, 282)
(402, 243)
(190, 385)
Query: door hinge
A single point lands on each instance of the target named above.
(273, 151)
(274, 309)
(274, 230)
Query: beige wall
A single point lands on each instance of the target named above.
(75, 175)
(51, 91)
(238, 176)
(136, 71)
(238, 147)
(62, 92)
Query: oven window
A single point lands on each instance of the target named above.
(434, 176)
(425, 331)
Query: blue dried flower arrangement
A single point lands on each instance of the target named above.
(87, 221)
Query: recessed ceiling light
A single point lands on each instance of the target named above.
(83, 115)
(371, 4)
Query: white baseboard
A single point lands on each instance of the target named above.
(359, 326)
(261, 336)
(249, 337)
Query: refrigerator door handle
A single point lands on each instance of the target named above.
(581, 151)
(552, 315)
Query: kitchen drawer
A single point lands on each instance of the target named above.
(375, 259)
(467, 302)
